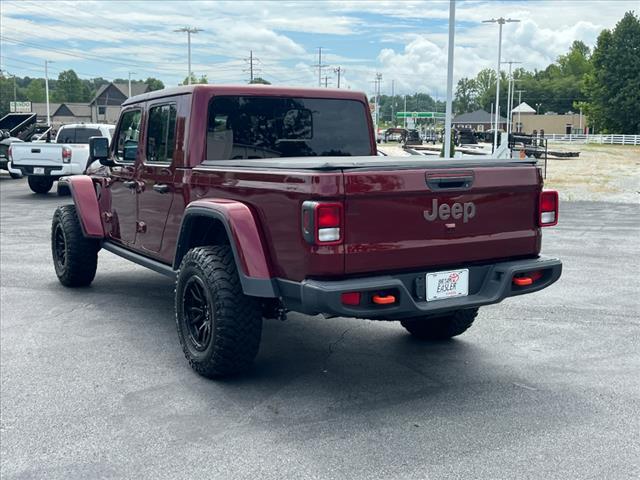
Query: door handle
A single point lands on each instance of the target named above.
(130, 184)
(161, 188)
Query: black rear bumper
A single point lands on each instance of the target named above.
(488, 284)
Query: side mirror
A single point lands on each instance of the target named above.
(99, 150)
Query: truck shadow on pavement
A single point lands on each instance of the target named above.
(349, 361)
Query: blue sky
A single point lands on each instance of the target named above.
(405, 41)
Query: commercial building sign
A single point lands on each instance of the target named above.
(20, 107)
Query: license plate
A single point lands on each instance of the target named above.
(441, 285)
(38, 170)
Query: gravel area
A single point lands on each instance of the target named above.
(608, 173)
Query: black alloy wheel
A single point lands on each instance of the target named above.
(59, 247)
(197, 313)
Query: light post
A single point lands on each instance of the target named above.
(500, 21)
(189, 31)
(449, 111)
(46, 89)
(538, 105)
(130, 73)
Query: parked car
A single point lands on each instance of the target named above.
(44, 163)
(264, 200)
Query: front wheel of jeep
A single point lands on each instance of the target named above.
(75, 257)
(218, 325)
(440, 327)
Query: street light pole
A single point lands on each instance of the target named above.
(510, 96)
(189, 31)
(449, 111)
(500, 21)
(46, 89)
(130, 83)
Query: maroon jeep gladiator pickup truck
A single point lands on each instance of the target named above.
(262, 200)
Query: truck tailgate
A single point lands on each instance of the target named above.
(481, 213)
(39, 154)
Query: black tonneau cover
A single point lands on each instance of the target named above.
(344, 163)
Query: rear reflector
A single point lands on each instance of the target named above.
(384, 299)
(525, 279)
(350, 298)
(548, 208)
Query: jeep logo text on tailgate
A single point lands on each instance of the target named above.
(445, 211)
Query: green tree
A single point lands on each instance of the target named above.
(260, 80)
(466, 93)
(69, 88)
(35, 91)
(154, 84)
(613, 87)
(195, 80)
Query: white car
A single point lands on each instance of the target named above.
(44, 163)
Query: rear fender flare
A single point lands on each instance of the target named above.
(85, 199)
(244, 237)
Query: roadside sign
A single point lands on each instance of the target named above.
(420, 115)
(20, 107)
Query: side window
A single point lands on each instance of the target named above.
(128, 135)
(161, 133)
(67, 135)
(84, 134)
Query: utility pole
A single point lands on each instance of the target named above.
(449, 111)
(320, 66)
(189, 31)
(252, 70)
(338, 70)
(378, 81)
(46, 89)
(326, 81)
(520, 92)
(509, 96)
(130, 73)
(250, 66)
(405, 110)
(393, 103)
(500, 21)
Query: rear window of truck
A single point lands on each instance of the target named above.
(77, 135)
(248, 127)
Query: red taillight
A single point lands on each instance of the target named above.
(66, 155)
(350, 298)
(322, 222)
(328, 215)
(548, 211)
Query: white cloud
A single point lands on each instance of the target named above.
(405, 41)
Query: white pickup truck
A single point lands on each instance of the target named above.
(44, 163)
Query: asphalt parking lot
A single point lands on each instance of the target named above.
(94, 383)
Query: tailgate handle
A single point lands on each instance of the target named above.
(462, 182)
(35, 150)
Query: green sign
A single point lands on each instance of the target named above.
(420, 115)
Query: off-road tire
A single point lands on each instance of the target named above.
(440, 327)
(234, 319)
(40, 184)
(75, 257)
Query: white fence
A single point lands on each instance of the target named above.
(599, 138)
